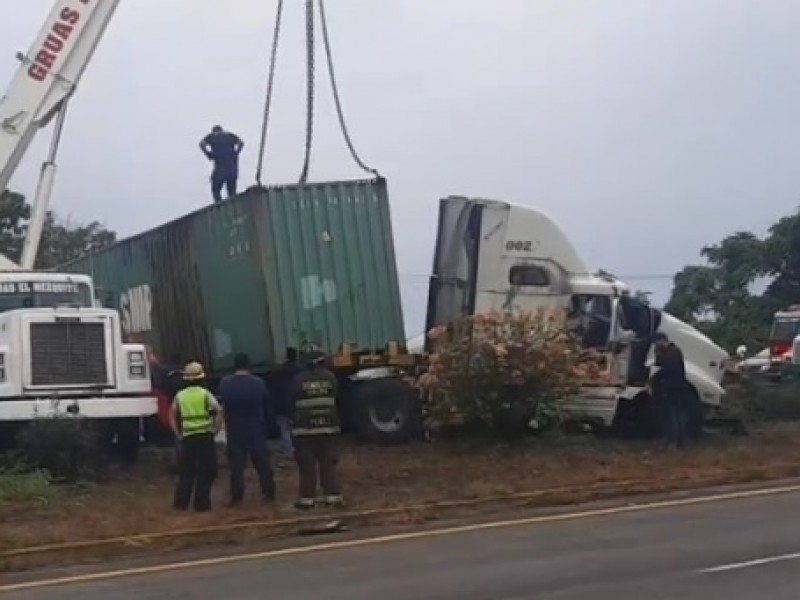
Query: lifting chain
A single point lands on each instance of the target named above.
(262, 146)
(335, 89)
(310, 91)
(309, 88)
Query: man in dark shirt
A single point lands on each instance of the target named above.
(223, 148)
(246, 405)
(670, 387)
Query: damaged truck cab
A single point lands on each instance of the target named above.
(492, 255)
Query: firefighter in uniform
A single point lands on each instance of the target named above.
(196, 417)
(315, 430)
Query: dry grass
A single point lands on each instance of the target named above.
(139, 501)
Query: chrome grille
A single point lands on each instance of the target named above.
(68, 353)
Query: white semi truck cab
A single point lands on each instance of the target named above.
(60, 355)
(493, 255)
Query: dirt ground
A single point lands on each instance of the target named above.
(138, 501)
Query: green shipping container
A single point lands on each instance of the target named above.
(270, 269)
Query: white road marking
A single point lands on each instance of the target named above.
(752, 563)
(398, 537)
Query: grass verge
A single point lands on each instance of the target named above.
(390, 486)
(23, 487)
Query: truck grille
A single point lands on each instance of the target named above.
(68, 353)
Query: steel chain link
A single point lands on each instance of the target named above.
(335, 89)
(309, 88)
(262, 146)
(310, 91)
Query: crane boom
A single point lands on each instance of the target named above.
(39, 90)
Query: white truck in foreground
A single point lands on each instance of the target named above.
(493, 255)
(59, 354)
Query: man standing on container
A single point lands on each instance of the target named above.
(223, 148)
(248, 407)
(315, 427)
(196, 418)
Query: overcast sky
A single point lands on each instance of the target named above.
(646, 128)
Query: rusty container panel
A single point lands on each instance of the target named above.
(269, 269)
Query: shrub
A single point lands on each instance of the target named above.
(506, 372)
(761, 401)
(69, 448)
(18, 485)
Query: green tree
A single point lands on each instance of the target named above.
(718, 297)
(782, 260)
(62, 240)
(14, 215)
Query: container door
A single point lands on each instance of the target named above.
(451, 292)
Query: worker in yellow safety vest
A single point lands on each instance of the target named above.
(315, 429)
(196, 418)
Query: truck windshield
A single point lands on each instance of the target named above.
(43, 294)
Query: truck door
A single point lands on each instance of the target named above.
(641, 319)
(619, 344)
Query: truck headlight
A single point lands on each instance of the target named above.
(136, 357)
(137, 367)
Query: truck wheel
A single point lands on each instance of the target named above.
(156, 434)
(127, 440)
(387, 412)
(9, 434)
(639, 418)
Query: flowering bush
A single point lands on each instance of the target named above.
(508, 372)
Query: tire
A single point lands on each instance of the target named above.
(156, 434)
(9, 434)
(386, 412)
(639, 418)
(126, 440)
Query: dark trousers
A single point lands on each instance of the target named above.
(197, 468)
(677, 417)
(244, 444)
(676, 414)
(317, 458)
(226, 179)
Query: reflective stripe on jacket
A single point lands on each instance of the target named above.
(194, 411)
(316, 416)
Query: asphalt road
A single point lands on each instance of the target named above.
(737, 549)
